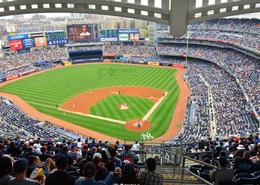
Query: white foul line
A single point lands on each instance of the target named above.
(94, 116)
(106, 119)
(150, 112)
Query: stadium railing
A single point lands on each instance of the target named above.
(185, 169)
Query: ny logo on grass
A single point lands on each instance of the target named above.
(147, 136)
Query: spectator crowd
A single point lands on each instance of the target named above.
(236, 160)
(74, 162)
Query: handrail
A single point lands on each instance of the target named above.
(191, 173)
(200, 162)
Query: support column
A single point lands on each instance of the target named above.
(166, 4)
(178, 17)
(138, 11)
(138, 2)
(151, 3)
(205, 3)
(123, 8)
(217, 1)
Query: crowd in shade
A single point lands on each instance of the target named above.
(246, 69)
(242, 32)
(237, 160)
(78, 162)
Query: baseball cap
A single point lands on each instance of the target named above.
(97, 155)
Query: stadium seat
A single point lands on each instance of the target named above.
(195, 169)
(256, 174)
(244, 175)
(248, 181)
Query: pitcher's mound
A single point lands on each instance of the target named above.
(138, 125)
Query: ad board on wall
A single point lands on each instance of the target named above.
(129, 35)
(16, 45)
(40, 41)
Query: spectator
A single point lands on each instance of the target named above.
(223, 174)
(128, 155)
(20, 168)
(256, 161)
(5, 170)
(136, 146)
(244, 164)
(113, 161)
(151, 177)
(60, 177)
(88, 177)
(129, 175)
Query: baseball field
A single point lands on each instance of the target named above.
(124, 102)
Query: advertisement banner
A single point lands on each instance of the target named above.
(57, 42)
(129, 34)
(40, 41)
(40, 34)
(56, 38)
(83, 33)
(28, 43)
(109, 35)
(134, 36)
(153, 63)
(17, 37)
(16, 45)
(123, 37)
(108, 39)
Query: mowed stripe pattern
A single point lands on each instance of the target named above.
(47, 90)
(109, 107)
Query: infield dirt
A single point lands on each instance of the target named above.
(173, 130)
(83, 102)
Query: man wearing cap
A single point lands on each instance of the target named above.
(20, 168)
(89, 172)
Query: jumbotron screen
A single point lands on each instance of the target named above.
(83, 33)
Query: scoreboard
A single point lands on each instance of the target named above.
(36, 39)
(56, 38)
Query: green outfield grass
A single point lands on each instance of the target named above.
(46, 90)
(108, 107)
